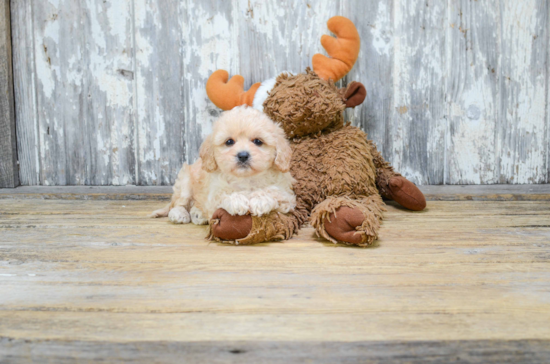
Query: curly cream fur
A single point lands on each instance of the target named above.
(219, 180)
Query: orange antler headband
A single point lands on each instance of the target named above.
(343, 51)
(227, 95)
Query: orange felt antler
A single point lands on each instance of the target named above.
(343, 50)
(227, 95)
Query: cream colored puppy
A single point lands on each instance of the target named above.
(243, 168)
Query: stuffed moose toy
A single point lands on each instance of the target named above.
(340, 176)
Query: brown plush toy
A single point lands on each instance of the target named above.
(340, 176)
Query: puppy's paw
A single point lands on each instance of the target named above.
(286, 205)
(197, 217)
(236, 204)
(179, 215)
(262, 205)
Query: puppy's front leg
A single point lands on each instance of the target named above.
(179, 215)
(262, 203)
(197, 216)
(286, 201)
(236, 204)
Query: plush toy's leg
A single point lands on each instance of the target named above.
(349, 221)
(394, 186)
(246, 229)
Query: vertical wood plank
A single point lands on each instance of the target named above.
(110, 114)
(9, 173)
(418, 124)
(50, 103)
(25, 93)
(473, 93)
(84, 92)
(548, 103)
(374, 69)
(159, 90)
(523, 137)
(211, 42)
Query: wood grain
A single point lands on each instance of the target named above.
(418, 126)
(28, 135)
(9, 171)
(465, 351)
(83, 75)
(523, 83)
(474, 90)
(540, 192)
(159, 89)
(457, 90)
(99, 278)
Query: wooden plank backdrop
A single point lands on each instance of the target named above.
(112, 92)
(9, 175)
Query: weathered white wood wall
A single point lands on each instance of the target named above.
(112, 92)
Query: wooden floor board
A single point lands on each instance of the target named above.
(499, 192)
(100, 276)
(283, 352)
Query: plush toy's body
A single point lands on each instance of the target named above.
(340, 176)
(334, 170)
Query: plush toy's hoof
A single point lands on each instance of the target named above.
(229, 227)
(405, 193)
(342, 226)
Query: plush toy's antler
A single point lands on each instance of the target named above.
(227, 95)
(343, 50)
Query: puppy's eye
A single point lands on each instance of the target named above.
(229, 142)
(258, 142)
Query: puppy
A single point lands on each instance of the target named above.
(243, 168)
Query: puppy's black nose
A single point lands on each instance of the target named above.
(243, 156)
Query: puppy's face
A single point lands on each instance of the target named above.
(246, 142)
(243, 151)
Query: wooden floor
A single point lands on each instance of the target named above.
(462, 280)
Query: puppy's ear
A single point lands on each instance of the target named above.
(207, 155)
(284, 154)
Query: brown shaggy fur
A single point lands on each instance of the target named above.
(384, 171)
(304, 104)
(333, 163)
(371, 207)
(275, 226)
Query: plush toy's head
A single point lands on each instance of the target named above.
(305, 103)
